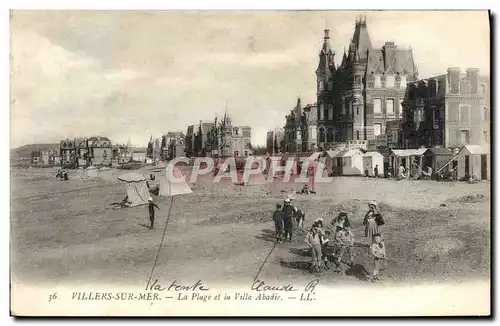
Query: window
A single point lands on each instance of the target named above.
(377, 129)
(389, 81)
(402, 84)
(321, 112)
(357, 134)
(321, 86)
(485, 114)
(389, 106)
(483, 89)
(464, 137)
(377, 106)
(350, 108)
(322, 135)
(464, 112)
(330, 85)
(330, 112)
(378, 82)
(329, 135)
(343, 106)
(485, 136)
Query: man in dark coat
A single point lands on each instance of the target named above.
(151, 207)
(288, 216)
(278, 223)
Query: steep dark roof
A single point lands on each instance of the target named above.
(361, 39)
(402, 62)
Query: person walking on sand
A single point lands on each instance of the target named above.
(288, 216)
(151, 207)
(278, 223)
(313, 240)
(377, 250)
(373, 220)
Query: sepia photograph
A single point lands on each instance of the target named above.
(250, 163)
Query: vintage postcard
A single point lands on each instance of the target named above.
(250, 163)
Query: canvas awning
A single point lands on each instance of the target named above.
(408, 152)
(131, 177)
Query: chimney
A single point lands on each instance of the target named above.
(473, 77)
(389, 50)
(453, 77)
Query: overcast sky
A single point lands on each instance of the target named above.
(132, 74)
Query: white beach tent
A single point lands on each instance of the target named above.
(91, 172)
(172, 187)
(106, 173)
(137, 190)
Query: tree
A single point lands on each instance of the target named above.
(149, 151)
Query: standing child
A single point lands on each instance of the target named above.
(344, 240)
(278, 223)
(152, 207)
(313, 240)
(372, 222)
(378, 251)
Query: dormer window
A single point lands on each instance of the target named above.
(377, 81)
(389, 81)
(402, 83)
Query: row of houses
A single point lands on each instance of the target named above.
(96, 151)
(468, 161)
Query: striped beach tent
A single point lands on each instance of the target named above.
(136, 188)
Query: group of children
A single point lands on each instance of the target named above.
(343, 238)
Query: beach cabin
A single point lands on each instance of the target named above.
(474, 160)
(405, 157)
(372, 159)
(350, 162)
(331, 162)
(436, 158)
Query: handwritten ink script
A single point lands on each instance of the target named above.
(200, 292)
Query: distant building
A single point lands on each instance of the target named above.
(274, 140)
(219, 138)
(449, 110)
(95, 150)
(174, 145)
(300, 129)
(139, 156)
(100, 150)
(356, 99)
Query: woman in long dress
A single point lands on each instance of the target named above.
(370, 221)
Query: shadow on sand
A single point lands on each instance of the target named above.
(301, 265)
(358, 271)
(267, 235)
(302, 252)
